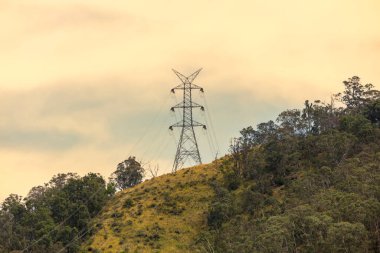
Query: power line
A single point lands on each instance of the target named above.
(60, 224)
(208, 113)
(158, 137)
(77, 238)
(81, 234)
(150, 125)
(209, 136)
(212, 150)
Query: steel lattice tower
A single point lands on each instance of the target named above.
(187, 144)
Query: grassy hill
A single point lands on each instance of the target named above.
(163, 214)
(307, 182)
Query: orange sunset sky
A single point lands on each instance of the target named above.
(84, 84)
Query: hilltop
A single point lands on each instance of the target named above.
(163, 214)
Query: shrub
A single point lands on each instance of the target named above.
(128, 203)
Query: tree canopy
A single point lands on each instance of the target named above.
(306, 182)
(52, 216)
(128, 173)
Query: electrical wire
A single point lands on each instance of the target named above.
(158, 138)
(87, 230)
(161, 149)
(77, 238)
(145, 132)
(208, 112)
(209, 137)
(150, 125)
(60, 224)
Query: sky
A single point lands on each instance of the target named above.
(86, 84)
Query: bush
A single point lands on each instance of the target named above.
(220, 211)
(252, 201)
(128, 203)
(232, 180)
(357, 125)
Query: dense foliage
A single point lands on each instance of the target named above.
(308, 182)
(128, 173)
(53, 217)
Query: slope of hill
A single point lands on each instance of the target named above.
(306, 182)
(164, 214)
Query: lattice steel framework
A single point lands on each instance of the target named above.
(187, 144)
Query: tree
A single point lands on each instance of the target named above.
(14, 205)
(153, 171)
(356, 94)
(347, 237)
(277, 236)
(128, 173)
(67, 199)
(308, 182)
(8, 238)
(240, 148)
(319, 117)
(291, 122)
(372, 111)
(265, 132)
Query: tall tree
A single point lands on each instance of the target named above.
(128, 173)
(355, 93)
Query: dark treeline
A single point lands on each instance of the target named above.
(307, 182)
(52, 216)
(57, 217)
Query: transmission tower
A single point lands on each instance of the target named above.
(187, 144)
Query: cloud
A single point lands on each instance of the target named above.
(40, 139)
(86, 79)
(102, 113)
(49, 17)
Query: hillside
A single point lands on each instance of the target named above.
(309, 181)
(306, 182)
(164, 214)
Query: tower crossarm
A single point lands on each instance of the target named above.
(190, 86)
(187, 79)
(184, 105)
(181, 125)
(187, 82)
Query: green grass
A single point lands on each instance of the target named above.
(164, 214)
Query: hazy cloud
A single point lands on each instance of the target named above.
(89, 81)
(41, 139)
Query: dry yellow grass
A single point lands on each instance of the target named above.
(164, 214)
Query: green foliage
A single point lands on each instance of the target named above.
(327, 149)
(52, 216)
(359, 126)
(128, 203)
(372, 111)
(232, 179)
(170, 205)
(253, 201)
(356, 94)
(308, 183)
(127, 174)
(347, 237)
(222, 208)
(219, 213)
